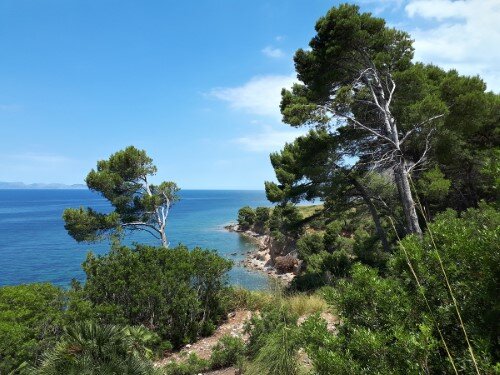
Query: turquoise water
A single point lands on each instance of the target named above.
(34, 246)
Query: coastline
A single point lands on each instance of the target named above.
(260, 259)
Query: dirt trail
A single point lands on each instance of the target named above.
(203, 347)
(233, 326)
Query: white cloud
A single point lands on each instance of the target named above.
(259, 96)
(465, 35)
(279, 38)
(268, 140)
(272, 52)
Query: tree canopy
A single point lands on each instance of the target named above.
(137, 204)
(386, 113)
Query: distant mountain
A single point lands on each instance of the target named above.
(22, 185)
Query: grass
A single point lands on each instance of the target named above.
(302, 304)
(308, 211)
(240, 298)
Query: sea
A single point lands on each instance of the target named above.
(35, 247)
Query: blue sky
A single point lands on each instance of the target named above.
(195, 84)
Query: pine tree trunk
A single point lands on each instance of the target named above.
(405, 195)
(164, 240)
(373, 212)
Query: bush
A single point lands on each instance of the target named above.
(333, 265)
(332, 235)
(246, 218)
(175, 292)
(322, 269)
(89, 348)
(389, 327)
(227, 352)
(260, 326)
(192, 365)
(279, 354)
(368, 250)
(469, 250)
(262, 215)
(31, 319)
(309, 244)
(308, 281)
(284, 264)
(286, 220)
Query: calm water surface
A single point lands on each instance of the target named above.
(34, 246)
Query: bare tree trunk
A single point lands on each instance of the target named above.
(373, 212)
(401, 171)
(404, 189)
(161, 214)
(164, 240)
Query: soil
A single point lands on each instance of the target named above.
(203, 347)
(234, 326)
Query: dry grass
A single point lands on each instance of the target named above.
(250, 299)
(308, 211)
(302, 304)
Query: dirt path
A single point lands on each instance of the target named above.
(233, 326)
(203, 348)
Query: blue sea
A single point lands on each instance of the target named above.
(35, 247)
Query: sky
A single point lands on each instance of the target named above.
(194, 83)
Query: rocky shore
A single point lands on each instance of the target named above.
(262, 258)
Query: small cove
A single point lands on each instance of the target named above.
(34, 246)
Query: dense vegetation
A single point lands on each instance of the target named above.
(404, 157)
(404, 247)
(30, 321)
(172, 295)
(176, 292)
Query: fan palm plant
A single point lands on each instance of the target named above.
(88, 348)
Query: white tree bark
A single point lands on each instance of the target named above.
(160, 217)
(388, 136)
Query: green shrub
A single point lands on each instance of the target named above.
(389, 327)
(246, 217)
(332, 235)
(308, 281)
(260, 326)
(262, 215)
(176, 292)
(333, 265)
(227, 352)
(469, 249)
(278, 354)
(286, 220)
(309, 244)
(31, 319)
(164, 347)
(89, 348)
(191, 366)
(322, 269)
(368, 250)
